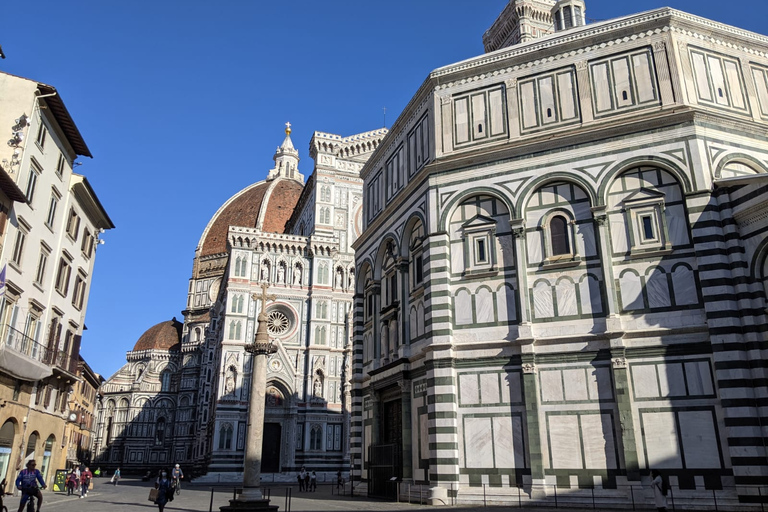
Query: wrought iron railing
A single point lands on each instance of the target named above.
(23, 344)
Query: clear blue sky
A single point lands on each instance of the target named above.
(183, 103)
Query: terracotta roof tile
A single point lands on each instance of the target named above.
(163, 336)
(244, 211)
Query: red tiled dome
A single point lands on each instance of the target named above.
(243, 210)
(163, 336)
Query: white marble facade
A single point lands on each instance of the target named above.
(583, 229)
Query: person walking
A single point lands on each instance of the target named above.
(300, 478)
(163, 486)
(77, 482)
(116, 476)
(313, 481)
(659, 487)
(306, 480)
(71, 482)
(27, 482)
(85, 482)
(339, 480)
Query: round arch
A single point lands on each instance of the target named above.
(414, 218)
(388, 238)
(459, 198)
(741, 158)
(537, 183)
(626, 165)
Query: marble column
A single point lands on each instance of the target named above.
(252, 498)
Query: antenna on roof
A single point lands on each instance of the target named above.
(385, 116)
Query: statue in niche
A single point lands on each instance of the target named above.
(281, 273)
(339, 279)
(229, 383)
(265, 271)
(351, 281)
(297, 275)
(318, 388)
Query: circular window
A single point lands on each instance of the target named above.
(277, 323)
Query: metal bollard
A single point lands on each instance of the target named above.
(210, 507)
(555, 486)
(632, 493)
(484, 504)
(672, 495)
(714, 497)
(593, 498)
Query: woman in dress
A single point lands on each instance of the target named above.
(163, 486)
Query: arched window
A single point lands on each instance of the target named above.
(315, 437)
(165, 381)
(29, 453)
(7, 441)
(160, 431)
(320, 336)
(558, 235)
(198, 333)
(47, 451)
(225, 437)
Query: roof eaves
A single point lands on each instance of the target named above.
(65, 121)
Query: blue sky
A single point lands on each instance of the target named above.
(183, 103)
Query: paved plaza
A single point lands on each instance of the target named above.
(131, 495)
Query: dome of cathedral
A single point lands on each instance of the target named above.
(266, 205)
(163, 336)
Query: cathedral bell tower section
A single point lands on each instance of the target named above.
(520, 21)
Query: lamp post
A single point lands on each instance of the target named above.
(252, 498)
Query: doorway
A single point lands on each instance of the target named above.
(270, 448)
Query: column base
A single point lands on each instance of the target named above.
(250, 500)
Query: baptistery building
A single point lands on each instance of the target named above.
(561, 278)
(183, 395)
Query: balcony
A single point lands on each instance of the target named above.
(22, 357)
(62, 363)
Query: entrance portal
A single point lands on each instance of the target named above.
(270, 448)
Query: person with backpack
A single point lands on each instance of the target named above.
(660, 490)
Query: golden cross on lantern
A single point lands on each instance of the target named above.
(264, 297)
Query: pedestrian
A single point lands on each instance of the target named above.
(306, 480)
(313, 481)
(116, 476)
(77, 474)
(163, 486)
(85, 482)
(660, 489)
(339, 480)
(300, 478)
(71, 482)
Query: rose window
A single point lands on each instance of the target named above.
(277, 323)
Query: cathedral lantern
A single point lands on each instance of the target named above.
(568, 14)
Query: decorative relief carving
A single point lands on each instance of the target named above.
(659, 46)
(601, 219)
(619, 362)
(511, 83)
(581, 65)
(529, 368)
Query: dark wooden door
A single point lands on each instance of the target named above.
(270, 448)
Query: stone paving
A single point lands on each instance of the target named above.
(131, 495)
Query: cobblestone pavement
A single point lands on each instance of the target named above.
(131, 496)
